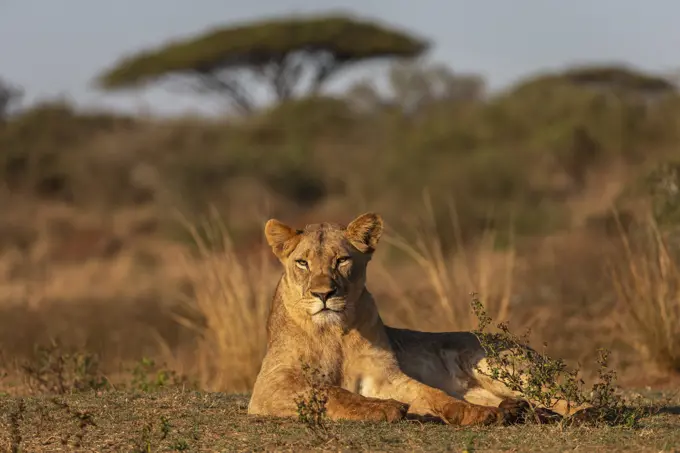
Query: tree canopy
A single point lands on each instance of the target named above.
(282, 53)
(620, 78)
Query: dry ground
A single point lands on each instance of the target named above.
(182, 420)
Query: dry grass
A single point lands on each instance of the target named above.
(231, 296)
(125, 309)
(77, 255)
(451, 277)
(647, 283)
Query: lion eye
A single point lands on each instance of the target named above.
(302, 264)
(342, 260)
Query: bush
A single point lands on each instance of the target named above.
(544, 381)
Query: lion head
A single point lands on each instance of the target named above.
(325, 267)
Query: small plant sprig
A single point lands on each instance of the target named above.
(544, 381)
(15, 419)
(142, 444)
(147, 441)
(311, 406)
(147, 377)
(55, 371)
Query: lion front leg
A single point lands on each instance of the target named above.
(427, 401)
(281, 394)
(343, 404)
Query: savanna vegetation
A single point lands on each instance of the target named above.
(133, 272)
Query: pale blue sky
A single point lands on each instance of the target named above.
(54, 47)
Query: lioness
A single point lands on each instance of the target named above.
(323, 315)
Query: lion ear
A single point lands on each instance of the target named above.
(364, 232)
(281, 238)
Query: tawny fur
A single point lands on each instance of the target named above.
(322, 315)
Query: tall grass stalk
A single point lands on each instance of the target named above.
(451, 277)
(231, 296)
(647, 285)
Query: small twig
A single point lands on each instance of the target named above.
(15, 425)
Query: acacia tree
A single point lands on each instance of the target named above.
(623, 81)
(621, 78)
(290, 56)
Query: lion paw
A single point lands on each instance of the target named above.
(515, 411)
(395, 410)
(489, 416)
(461, 413)
(387, 410)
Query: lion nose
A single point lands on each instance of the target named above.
(323, 295)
